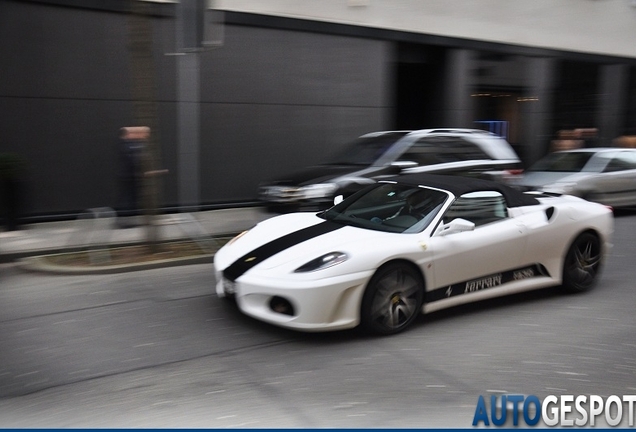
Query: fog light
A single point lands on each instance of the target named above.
(281, 306)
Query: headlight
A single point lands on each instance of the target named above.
(320, 190)
(329, 260)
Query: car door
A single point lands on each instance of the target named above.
(474, 260)
(445, 153)
(616, 185)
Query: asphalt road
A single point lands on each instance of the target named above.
(157, 349)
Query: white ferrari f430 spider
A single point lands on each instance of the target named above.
(415, 243)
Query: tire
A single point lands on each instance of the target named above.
(582, 263)
(392, 300)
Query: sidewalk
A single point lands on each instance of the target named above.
(55, 237)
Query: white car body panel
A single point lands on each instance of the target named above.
(477, 252)
(330, 299)
(457, 166)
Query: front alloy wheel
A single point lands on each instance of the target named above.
(582, 263)
(392, 299)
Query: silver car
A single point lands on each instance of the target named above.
(604, 175)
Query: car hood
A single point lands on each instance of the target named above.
(341, 238)
(539, 179)
(322, 173)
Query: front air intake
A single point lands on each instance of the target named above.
(281, 305)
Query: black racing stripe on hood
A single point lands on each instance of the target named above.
(260, 254)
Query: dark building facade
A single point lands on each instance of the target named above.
(280, 93)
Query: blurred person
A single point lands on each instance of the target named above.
(567, 140)
(131, 149)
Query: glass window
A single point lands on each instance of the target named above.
(563, 162)
(479, 208)
(366, 150)
(389, 207)
(442, 149)
(621, 161)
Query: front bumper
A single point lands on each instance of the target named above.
(292, 198)
(318, 304)
(280, 194)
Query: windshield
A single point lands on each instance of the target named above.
(563, 162)
(390, 208)
(366, 150)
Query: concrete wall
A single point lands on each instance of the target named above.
(273, 100)
(282, 92)
(605, 27)
(270, 101)
(64, 92)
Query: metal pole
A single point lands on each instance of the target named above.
(189, 27)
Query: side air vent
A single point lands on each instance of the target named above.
(549, 212)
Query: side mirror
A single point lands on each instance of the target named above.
(399, 166)
(337, 200)
(455, 226)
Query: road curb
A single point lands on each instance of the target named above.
(36, 261)
(39, 264)
(10, 256)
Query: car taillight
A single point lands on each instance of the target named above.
(514, 172)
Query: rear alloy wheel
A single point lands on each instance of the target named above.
(582, 263)
(392, 299)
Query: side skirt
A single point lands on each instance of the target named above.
(499, 284)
